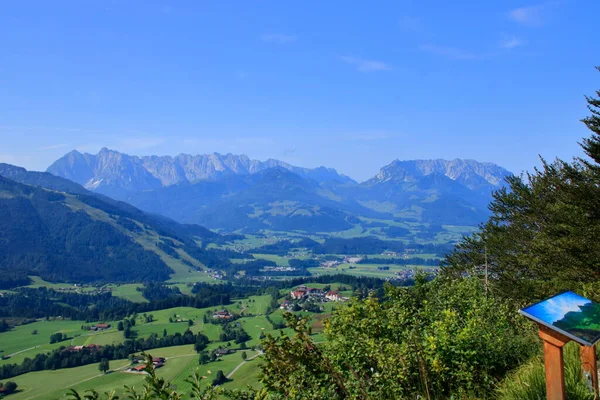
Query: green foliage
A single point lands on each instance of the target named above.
(57, 337)
(542, 236)
(8, 388)
(436, 339)
(528, 382)
(104, 365)
(201, 342)
(41, 235)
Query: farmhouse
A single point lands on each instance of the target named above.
(99, 327)
(330, 264)
(284, 305)
(157, 362)
(353, 260)
(223, 352)
(79, 348)
(302, 291)
(334, 296)
(222, 314)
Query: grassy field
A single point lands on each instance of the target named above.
(181, 362)
(21, 340)
(129, 292)
(366, 270)
(279, 260)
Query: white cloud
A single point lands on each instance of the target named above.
(511, 42)
(451, 52)
(367, 65)
(278, 38)
(530, 15)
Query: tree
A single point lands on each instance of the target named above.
(190, 322)
(434, 340)
(165, 332)
(204, 358)
(104, 365)
(541, 237)
(219, 378)
(244, 355)
(120, 326)
(9, 387)
(127, 333)
(201, 342)
(57, 337)
(34, 332)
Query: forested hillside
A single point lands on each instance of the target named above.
(83, 237)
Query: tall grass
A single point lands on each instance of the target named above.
(528, 382)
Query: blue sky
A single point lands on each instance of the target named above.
(351, 85)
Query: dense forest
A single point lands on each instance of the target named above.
(359, 245)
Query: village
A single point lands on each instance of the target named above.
(300, 296)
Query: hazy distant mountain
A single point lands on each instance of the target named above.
(232, 192)
(114, 173)
(477, 176)
(62, 232)
(453, 192)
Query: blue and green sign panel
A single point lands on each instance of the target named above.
(569, 314)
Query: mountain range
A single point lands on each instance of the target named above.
(233, 192)
(56, 229)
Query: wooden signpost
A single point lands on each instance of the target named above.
(556, 334)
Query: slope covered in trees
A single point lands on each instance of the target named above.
(79, 236)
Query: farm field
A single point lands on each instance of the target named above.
(279, 260)
(19, 342)
(367, 270)
(129, 292)
(181, 362)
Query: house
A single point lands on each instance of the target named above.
(353, 260)
(158, 361)
(222, 314)
(284, 305)
(334, 296)
(302, 291)
(298, 294)
(99, 327)
(223, 352)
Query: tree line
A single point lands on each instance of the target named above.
(67, 357)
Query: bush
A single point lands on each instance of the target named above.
(528, 382)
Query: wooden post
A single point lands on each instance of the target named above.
(553, 362)
(589, 366)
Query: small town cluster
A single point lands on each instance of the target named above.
(304, 293)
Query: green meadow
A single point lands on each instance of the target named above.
(20, 343)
